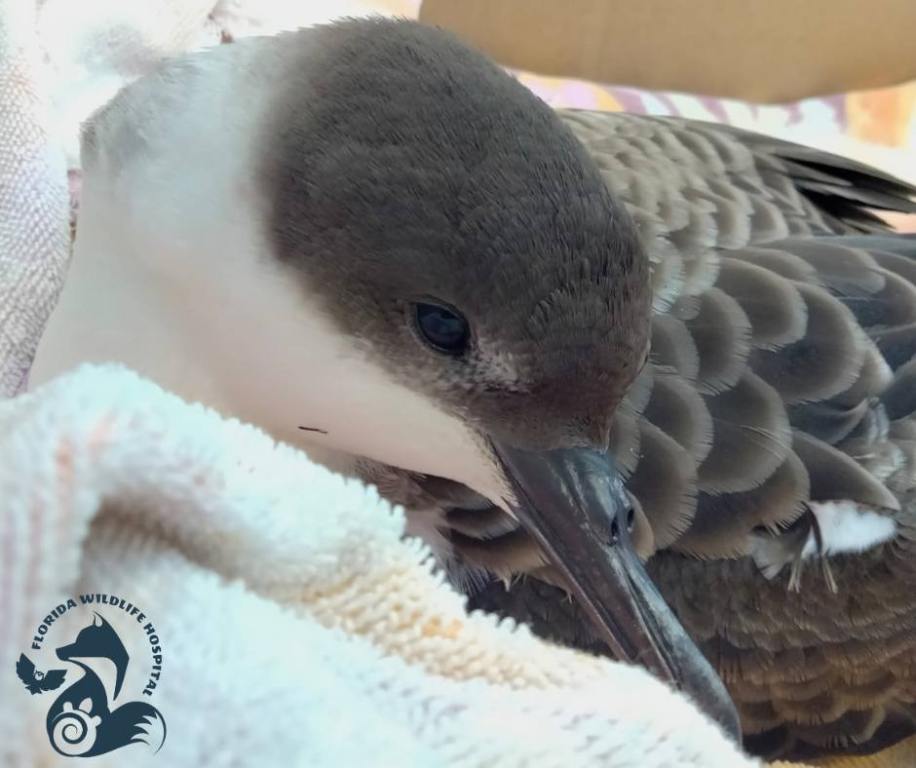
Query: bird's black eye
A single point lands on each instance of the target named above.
(444, 329)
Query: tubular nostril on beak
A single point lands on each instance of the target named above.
(614, 537)
(625, 520)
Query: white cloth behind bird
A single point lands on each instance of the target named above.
(297, 626)
(34, 237)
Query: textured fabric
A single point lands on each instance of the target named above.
(884, 116)
(902, 755)
(876, 127)
(34, 240)
(298, 627)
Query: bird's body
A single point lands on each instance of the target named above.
(766, 440)
(820, 446)
(771, 443)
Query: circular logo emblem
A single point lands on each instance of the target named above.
(91, 714)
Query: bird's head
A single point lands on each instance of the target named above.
(384, 237)
(454, 231)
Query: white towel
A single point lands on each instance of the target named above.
(33, 196)
(297, 626)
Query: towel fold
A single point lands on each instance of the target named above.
(297, 626)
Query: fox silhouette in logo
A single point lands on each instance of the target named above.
(80, 721)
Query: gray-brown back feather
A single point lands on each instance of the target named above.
(783, 371)
(787, 336)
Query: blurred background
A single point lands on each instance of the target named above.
(836, 74)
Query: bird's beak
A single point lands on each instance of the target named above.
(573, 502)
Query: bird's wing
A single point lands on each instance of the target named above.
(790, 381)
(53, 679)
(774, 345)
(781, 386)
(718, 185)
(780, 383)
(783, 373)
(694, 188)
(25, 669)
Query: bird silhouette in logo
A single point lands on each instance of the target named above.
(35, 681)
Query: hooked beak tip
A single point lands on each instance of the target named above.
(573, 502)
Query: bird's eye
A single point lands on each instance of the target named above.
(444, 329)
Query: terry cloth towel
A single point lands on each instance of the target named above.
(296, 625)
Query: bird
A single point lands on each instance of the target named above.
(642, 383)
(36, 681)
